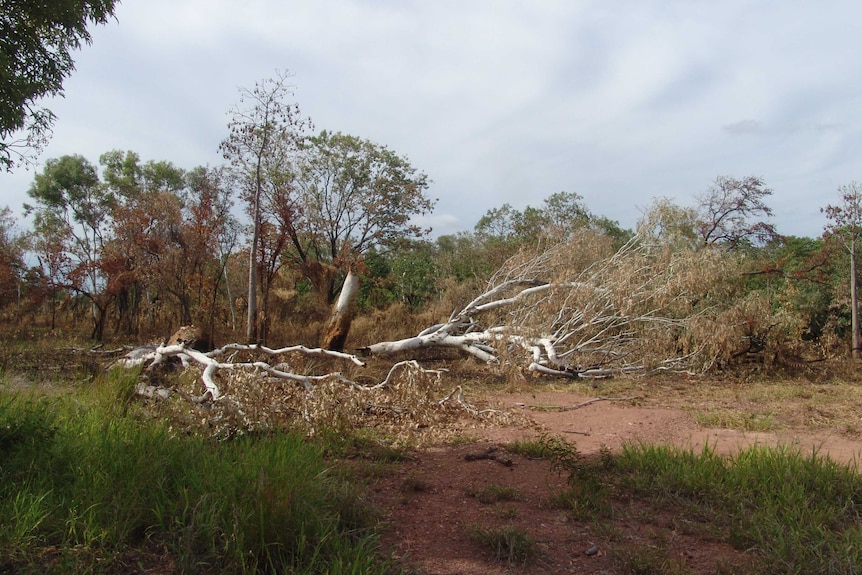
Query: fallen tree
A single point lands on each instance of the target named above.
(554, 311)
(629, 312)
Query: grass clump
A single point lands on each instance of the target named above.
(84, 487)
(559, 451)
(509, 544)
(729, 419)
(494, 493)
(800, 514)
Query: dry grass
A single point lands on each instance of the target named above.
(754, 404)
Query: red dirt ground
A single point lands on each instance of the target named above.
(431, 503)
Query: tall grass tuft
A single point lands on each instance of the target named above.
(82, 474)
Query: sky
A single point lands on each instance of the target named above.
(498, 101)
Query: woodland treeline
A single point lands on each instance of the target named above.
(139, 248)
(258, 249)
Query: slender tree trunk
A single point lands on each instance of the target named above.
(251, 323)
(230, 301)
(854, 300)
(338, 327)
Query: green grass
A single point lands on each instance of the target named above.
(794, 513)
(83, 482)
(559, 451)
(509, 544)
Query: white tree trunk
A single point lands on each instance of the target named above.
(336, 331)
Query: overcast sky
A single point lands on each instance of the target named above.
(499, 101)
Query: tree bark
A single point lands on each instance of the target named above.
(335, 334)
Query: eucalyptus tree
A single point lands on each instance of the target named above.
(265, 132)
(560, 215)
(36, 41)
(355, 195)
(73, 210)
(146, 225)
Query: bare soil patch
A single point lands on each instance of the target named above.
(433, 503)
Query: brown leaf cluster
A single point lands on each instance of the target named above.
(413, 407)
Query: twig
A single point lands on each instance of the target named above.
(580, 405)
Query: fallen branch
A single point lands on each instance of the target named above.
(153, 356)
(579, 405)
(320, 352)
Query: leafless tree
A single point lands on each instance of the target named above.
(264, 132)
(733, 211)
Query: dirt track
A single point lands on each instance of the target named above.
(612, 423)
(431, 507)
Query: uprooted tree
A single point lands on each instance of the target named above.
(550, 312)
(557, 311)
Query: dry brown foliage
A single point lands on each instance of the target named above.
(577, 308)
(408, 406)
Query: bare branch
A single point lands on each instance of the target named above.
(613, 316)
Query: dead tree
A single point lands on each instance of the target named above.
(627, 312)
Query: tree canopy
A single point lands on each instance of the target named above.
(36, 41)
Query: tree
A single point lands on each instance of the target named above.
(145, 256)
(627, 312)
(355, 195)
(726, 211)
(73, 205)
(36, 41)
(50, 245)
(560, 215)
(415, 274)
(210, 232)
(846, 223)
(12, 245)
(671, 225)
(264, 134)
(798, 276)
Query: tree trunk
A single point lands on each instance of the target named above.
(854, 300)
(251, 323)
(338, 327)
(99, 317)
